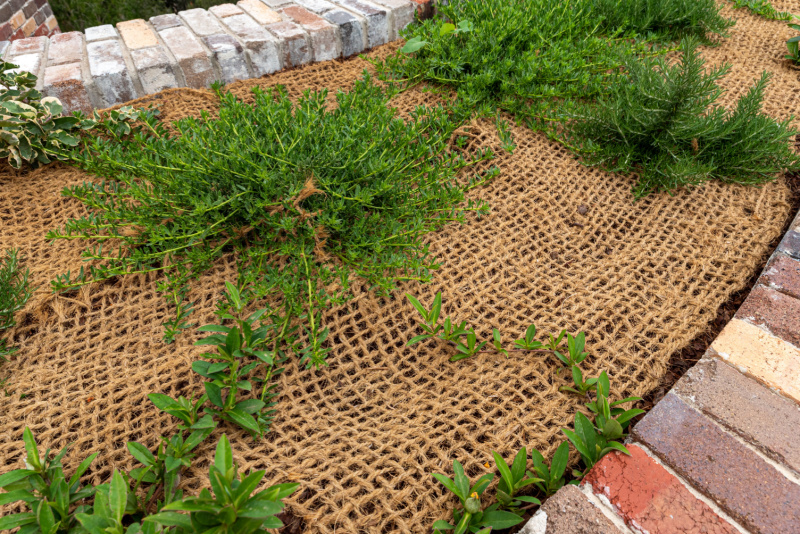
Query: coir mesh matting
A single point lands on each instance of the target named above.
(363, 435)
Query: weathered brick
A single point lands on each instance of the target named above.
(276, 3)
(65, 48)
(376, 20)
(790, 244)
(52, 23)
(424, 8)
(3, 47)
(775, 312)
(28, 63)
(294, 42)
(29, 27)
(192, 57)
(744, 485)
(259, 11)
(17, 20)
(351, 31)
(201, 22)
(741, 404)
(648, 497)
(29, 8)
(225, 10)
(65, 82)
(5, 12)
(229, 57)
(317, 6)
(783, 274)
(5, 31)
(31, 45)
(137, 34)
(761, 355)
(109, 72)
(39, 17)
(162, 22)
(323, 34)
(154, 68)
(100, 33)
(569, 511)
(44, 31)
(401, 15)
(262, 48)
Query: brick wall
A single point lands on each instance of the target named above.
(107, 65)
(26, 18)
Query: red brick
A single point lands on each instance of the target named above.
(42, 31)
(5, 32)
(748, 488)
(648, 496)
(783, 274)
(774, 311)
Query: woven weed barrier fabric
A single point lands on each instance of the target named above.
(363, 435)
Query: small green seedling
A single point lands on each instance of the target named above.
(513, 479)
(552, 478)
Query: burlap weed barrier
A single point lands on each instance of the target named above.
(363, 435)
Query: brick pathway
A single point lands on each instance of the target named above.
(108, 65)
(721, 452)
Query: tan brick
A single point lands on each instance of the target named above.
(52, 23)
(29, 27)
(259, 11)
(761, 355)
(17, 20)
(137, 34)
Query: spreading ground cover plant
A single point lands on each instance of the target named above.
(593, 436)
(307, 197)
(793, 45)
(763, 8)
(15, 290)
(662, 122)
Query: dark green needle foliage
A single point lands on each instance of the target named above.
(662, 122)
(531, 57)
(306, 196)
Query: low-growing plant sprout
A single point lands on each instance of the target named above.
(762, 8)
(308, 198)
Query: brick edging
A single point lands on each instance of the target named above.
(720, 453)
(107, 65)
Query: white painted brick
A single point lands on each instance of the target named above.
(65, 48)
(154, 68)
(375, 17)
(229, 57)
(162, 22)
(316, 6)
(31, 45)
(66, 83)
(324, 37)
(276, 3)
(295, 45)
(201, 22)
(259, 11)
(3, 47)
(263, 49)
(225, 10)
(110, 73)
(28, 63)
(192, 57)
(402, 14)
(351, 30)
(100, 33)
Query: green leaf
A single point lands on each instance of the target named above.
(223, 459)
(46, 518)
(256, 509)
(214, 393)
(417, 339)
(171, 519)
(52, 104)
(460, 480)
(446, 28)
(82, 469)
(612, 429)
(244, 419)
(525, 498)
(560, 460)
(441, 524)
(505, 472)
(447, 483)
(413, 45)
(163, 402)
(14, 476)
(14, 496)
(141, 453)
(499, 519)
(117, 496)
(19, 108)
(16, 520)
(246, 487)
(30, 447)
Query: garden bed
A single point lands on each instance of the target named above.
(564, 246)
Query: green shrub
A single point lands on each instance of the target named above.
(662, 122)
(306, 196)
(662, 19)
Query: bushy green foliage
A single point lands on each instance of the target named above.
(763, 8)
(662, 19)
(662, 122)
(77, 15)
(306, 196)
(15, 291)
(531, 56)
(60, 506)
